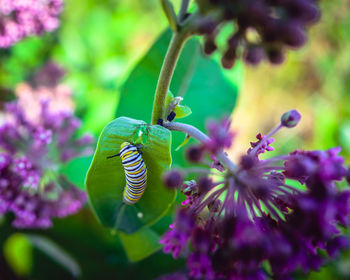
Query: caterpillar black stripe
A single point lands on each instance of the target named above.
(135, 173)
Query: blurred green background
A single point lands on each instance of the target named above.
(98, 43)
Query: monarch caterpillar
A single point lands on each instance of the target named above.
(135, 173)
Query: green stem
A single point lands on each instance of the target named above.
(183, 9)
(166, 73)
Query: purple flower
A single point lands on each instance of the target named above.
(285, 211)
(220, 136)
(20, 19)
(176, 239)
(5, 161)
(43, 136)
(174, 276)
(200, 266)
(30, 186)
(262, 145)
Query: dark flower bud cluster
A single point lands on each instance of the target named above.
(20, 19)
(286, 211)
(264, 29)
(30, 186)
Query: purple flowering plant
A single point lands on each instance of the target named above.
(37, 136)
(22, 18)
(254, 219)
(257, 218)
(262, 217)
(284, 211)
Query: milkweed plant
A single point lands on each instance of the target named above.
(260, 217)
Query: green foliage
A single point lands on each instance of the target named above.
(18, 254)
(24, 58)
(105, 180)
(76, 169)
(199, 80)
(140, 244)
(56, 253)
(18, 251)
(181, 111)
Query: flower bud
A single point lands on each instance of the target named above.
(253, 55)
(293, 35)
(276, 56)
(229, 58)
(209, 46)
(173, 179)
(204, 184)
(189, 187)
(290, 118)
(194, 154)
(303, 11)
(206, 26)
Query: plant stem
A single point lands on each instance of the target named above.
(202, 138)
(183, 9)
(265, 139)
(166, 73)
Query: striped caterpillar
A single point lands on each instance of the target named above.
(135, 173)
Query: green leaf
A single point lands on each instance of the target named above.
(208, 90)
(182, 111)
(56, 253)
(140, 244)
(105, 180)
(344, 136)
(168, 99)
(18, 254)
(18, 251)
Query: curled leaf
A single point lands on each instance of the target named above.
(105, 180)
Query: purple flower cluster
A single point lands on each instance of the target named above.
(23, 18)
(263, 28)
(31, 153)
(285, 211)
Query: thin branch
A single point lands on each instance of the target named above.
(202, 138)
(189, 129)
(170, 14)
(183, 9)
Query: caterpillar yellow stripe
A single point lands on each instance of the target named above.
(135, 173)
